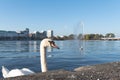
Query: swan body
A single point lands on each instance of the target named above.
(25, 71)
(15, 72)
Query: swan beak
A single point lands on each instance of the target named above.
(52, 44)
(58, 48)
(55, 46)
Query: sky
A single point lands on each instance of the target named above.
(61, 16)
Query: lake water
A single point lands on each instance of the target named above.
(19, 54)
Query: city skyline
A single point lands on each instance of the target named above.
(61, 16)
(25, 35)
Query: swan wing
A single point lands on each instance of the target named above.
(27, 71)
(5, 72)
(15, 72)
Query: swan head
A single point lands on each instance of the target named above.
(48, 43)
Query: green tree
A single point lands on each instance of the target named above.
(86, 37)
(80, 36)
(110, 35)
(71, 36)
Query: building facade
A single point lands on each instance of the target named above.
(23, 35)
(14, 35)
(50, 33)
(38, 35)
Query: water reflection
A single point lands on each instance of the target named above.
(19, 46)
(34, 46)
(22, 46)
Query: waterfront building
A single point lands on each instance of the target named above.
(13, 34)
(24, 33)
(43, 34)
(38, 35)
(50, 33)
(8, 33)
(3, 33)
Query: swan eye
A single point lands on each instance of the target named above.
(51, 43)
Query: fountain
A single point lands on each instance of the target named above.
(79, 36)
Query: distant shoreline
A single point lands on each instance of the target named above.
(108, 36)
(65, 40)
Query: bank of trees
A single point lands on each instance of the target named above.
(93, 36)
(110, 35)
(85, 37)
(98, 36)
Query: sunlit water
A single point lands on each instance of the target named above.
(19, 54)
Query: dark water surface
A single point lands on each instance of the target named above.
(19, 54)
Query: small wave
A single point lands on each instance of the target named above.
(21, 57)
(49, 56)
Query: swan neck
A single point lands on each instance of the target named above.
(43, 50)
(43, 59)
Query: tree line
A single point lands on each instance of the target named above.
(85, 36)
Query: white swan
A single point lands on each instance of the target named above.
(25, 71)
(15, 72)
(44, 44)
